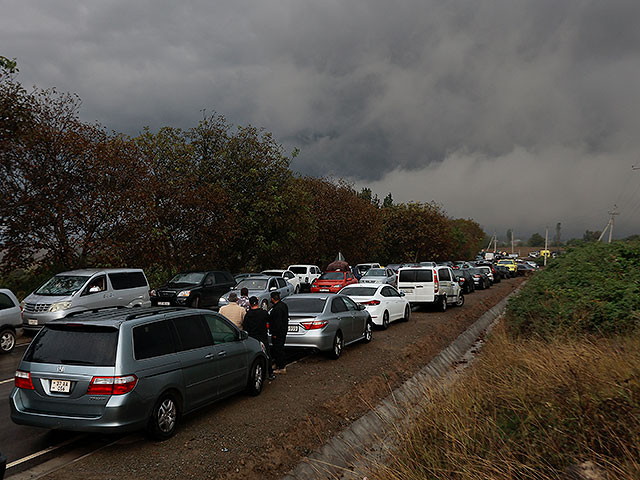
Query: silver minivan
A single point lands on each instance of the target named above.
(119, 370)
(80, 290)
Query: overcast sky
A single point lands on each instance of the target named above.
(516, 113)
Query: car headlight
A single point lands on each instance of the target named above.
(56, 307)
(184, 293)
(152, 293)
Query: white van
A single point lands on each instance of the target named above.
(434, 286)
(87, 289)
(306, 275)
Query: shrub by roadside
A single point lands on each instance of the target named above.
(594, 288)
(531, 409)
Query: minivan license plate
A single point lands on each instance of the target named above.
(33, 321)
(164, 304)
(61, 386)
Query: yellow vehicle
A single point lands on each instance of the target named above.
(509, 263)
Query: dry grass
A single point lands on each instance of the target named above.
(530, 410)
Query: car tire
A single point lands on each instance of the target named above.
(164, 417)
(337, 346)
(368, 331)
(7, 340)
(265, 305)
(296, 290)
(385, 320)
(256, 378)
(407, 313)
(442, 306)
(460, 301)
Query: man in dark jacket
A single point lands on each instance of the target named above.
(255, 323)
(279, 325)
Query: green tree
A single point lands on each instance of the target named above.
(536, 240)
(388, 201)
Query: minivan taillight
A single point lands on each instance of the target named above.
(112, 385)
(23, 380)
(436, 284)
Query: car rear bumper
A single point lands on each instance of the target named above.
(123, 413)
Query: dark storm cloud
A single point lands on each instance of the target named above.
(386, 93)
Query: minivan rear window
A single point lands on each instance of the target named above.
(124, 280)
(422, 275)
(74, 345)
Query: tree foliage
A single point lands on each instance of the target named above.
(212, 196)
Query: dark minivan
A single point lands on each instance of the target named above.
(193, 289)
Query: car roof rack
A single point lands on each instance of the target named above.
(153, 311)
(94, 310)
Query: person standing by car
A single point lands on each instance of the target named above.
(255, 323)
(233, 311)
(279, 325)
(243, 301)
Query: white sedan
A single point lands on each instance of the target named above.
(383, 302)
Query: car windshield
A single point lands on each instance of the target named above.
(359, 291)
(374, 272)
(192, 278)
(297, 304)
(253, 284)
(332, 276)
(62, 285)
(298, 269)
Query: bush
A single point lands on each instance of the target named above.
(593, 288)
(530, 409)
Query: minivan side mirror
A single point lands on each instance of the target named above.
(401, 293)
(243, 335)
(272, 289)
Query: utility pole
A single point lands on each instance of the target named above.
(546, 245)
(609, 224)
(511, 241)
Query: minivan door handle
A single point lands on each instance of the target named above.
(221, 354)
(209, 355)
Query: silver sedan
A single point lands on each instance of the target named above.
(326, 322)
(260, 286)
(379, 275)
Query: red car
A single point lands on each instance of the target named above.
(332, 282)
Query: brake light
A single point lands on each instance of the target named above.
(112, 385)
(314, 325)
(436, 284)
(371, 302)
(23, 380)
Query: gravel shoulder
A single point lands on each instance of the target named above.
(264, 437)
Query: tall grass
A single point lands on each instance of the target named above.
(531, 409)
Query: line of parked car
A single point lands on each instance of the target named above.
(96, 365)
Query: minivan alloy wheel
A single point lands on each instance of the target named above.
(256, 378)
(167, 415)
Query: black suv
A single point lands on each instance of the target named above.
(193, 289)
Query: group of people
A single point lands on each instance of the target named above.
(258, 323)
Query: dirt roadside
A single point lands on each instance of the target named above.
(264, 437)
